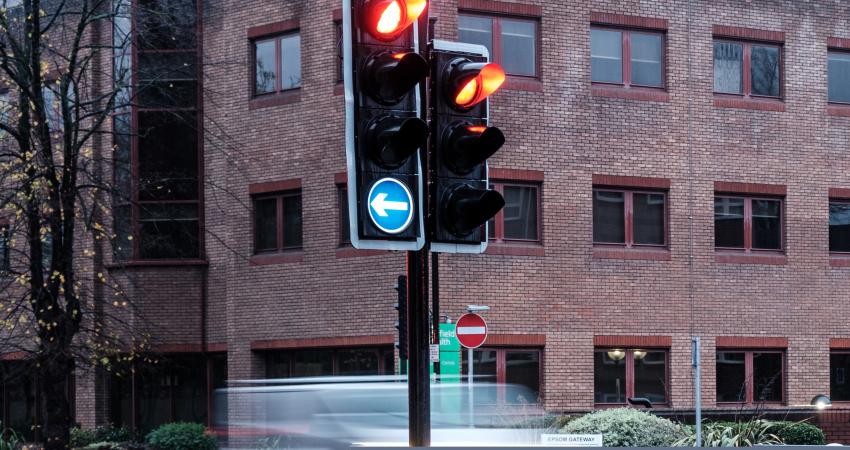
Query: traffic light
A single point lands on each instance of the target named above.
(401, 323)
(462, 79)
(384, 130)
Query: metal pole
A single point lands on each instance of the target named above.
(697, 391)
(435, 305)
(418, 380)
(470, 371)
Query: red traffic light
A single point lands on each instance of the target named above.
(471, 83)
(387, 19)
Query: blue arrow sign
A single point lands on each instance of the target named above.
(390, 205)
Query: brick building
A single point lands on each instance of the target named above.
(672, 169)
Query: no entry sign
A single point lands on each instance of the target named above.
(471, 330)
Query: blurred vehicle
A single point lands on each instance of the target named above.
(338, 412)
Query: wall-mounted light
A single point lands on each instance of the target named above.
(640, 354)
(821, 401)
(616, 355)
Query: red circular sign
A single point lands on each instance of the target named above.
(471, 330)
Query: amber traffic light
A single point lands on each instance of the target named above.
(470, 83)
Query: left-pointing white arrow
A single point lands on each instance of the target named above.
(380, 204)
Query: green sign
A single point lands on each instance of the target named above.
(448, 338)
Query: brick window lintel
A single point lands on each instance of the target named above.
(631, 341)
(602, 18)
(323, 342)
(341, 178)
(839, 193)
(516, 175)
(274, 186)
(515, 340)
(336, 15)
(497, 7)
(631, 182)
(732, 187)
(839, 343)
(273, 28)
(747, 33)
(733, 342)
(838, 43)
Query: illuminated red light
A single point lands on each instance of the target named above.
(477, 89)
(388, 18)
(399, 55)
(477, 128)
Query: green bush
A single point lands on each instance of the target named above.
(83, 437)
(798, 433)
(627, 427)
(181, 436)
(9, 439)
(103, 446)
(731, 434)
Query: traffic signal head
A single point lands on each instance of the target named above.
(392, 140)
(392, 75)
(462, 80)
(386, 20)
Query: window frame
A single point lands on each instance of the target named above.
(628, 211)
(749, 380)
(499, 218)
(496, 33)
(831, 395)
(280, 218)
(626, 56)
(841, 201)
(746, 68)
(630, 373)
(748, 224)
(342, 212)
(844, 51)
(501, 367)
(278, 67)
(380, 350)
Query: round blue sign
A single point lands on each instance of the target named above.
(390, 205)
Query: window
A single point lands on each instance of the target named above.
(340, 70)
(838, 63)
(750, 376)
(512, 42)
(344, 229)
(744, 223)
(519, 220)
(839, 226)
(620, 374)
(839, 376)
(627, 57)
(748, 69)
(277, 222)
(4, 248)
(505, 365)
(328, 362)
(277, 63)
(629, 218)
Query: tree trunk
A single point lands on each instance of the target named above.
(55, 417)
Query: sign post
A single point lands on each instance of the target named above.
(471, 331)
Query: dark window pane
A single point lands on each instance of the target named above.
(484, 366)
(731, 375)
(476, 30)
(123, 227)
(265, 224)
(728, 68)
(609, 376)
(312, 363)
(344, 229)
(491, 228)
(647, 59)
(609, 221)
(839, 227)
(121, 157)
(168, 156)
(523, 368)
(728, 222)
(767, 374)
(189, 390)
(606, 56)
(166, 24)
(839, 371)
(648, 218)
(4, 248)
(265, 66)
(651, 375)
(277, 364)
(839, 77)
(154, 388)
(168, 231)
(520, 212)
(290, 60)
(292, 221)
(358, 362)
(389, 363)
(767, 223)
(167, 79)
(518, 47)
(765, 70)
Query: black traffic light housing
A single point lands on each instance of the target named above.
(384, 130)
(462, 141)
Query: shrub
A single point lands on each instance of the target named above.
(82, 437)
(626, 427)
(798, 433)
(181, 436)
(9, 439)
(731, 434)
(103, 446)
